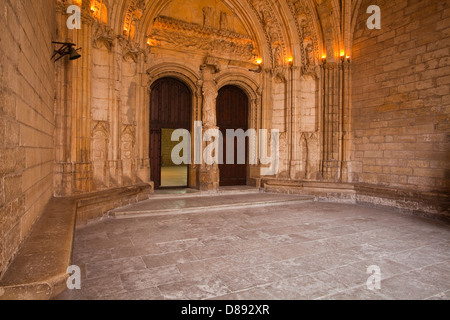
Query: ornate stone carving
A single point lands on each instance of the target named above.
(309, 155)
(308, 36)
(210, 93)
(207, 17)
(223, 21)
(133, 15)
(272, 30)
(102, 126)
(103, 35)
(129, 130)
(180, 35)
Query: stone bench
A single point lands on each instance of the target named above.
(39, 270)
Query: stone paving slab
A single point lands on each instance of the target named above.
(309, 250)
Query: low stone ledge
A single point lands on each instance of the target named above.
(342, 192)
(95, 206)
(39, 270)
(426, 204)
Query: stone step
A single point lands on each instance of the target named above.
(189, 193)
(205, 202)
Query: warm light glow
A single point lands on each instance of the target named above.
(149, 42)
(259, 61)
(342, 54)
(77, 2)
(290, 59)
(99, 11)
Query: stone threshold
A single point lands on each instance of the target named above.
(39, 270)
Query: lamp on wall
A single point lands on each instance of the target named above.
(259, 62)
(66, 48)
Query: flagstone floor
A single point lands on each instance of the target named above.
(295, 251)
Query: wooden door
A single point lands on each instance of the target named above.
(232, 113)
(170, 108)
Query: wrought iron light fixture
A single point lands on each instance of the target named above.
(66, 48)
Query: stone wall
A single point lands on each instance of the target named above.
(401, 96)
(27, 91)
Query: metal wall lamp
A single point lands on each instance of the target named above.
(66, 48)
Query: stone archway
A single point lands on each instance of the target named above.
(190, 79)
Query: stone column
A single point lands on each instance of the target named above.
(209, 173)
(114, 161)
(143, 125)
(346, 121)
(63, 164)
(330, 125)
(254, 172)
(335, 120)
(194, 167)
(295, 163)
(73, 167)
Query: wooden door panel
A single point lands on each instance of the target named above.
(232, 113)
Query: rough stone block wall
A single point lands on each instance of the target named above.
(100, 84)
(27, 96)
(307, 104)
(279, 105)
(401, 96)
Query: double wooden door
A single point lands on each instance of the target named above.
(232, 113)
(170, 108)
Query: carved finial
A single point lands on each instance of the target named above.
(207, 17)
(223, 21)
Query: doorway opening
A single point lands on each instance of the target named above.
(172, 175)
(170, 109)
